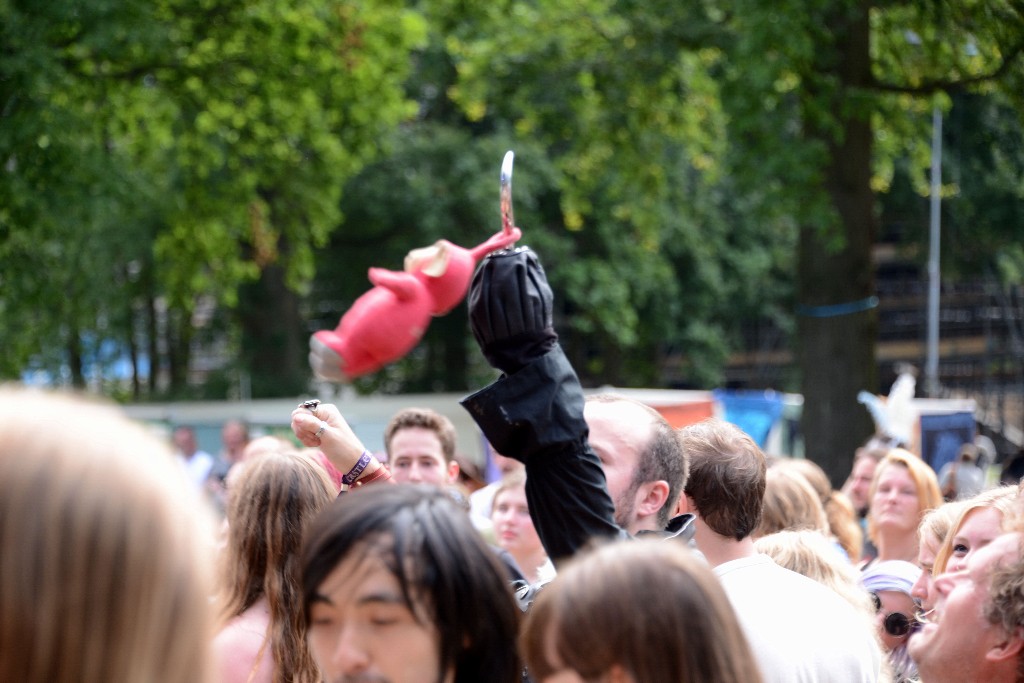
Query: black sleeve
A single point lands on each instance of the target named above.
(535, 415)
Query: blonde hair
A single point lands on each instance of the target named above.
(790, 503)
(811, 553)
(516, 479)
(841, 515)
(1002, 499)
(929, 495)
(104, 577)
(938, 521)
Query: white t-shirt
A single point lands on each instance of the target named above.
(799, 630)
(197, 468)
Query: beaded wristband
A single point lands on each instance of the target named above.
(354, 473)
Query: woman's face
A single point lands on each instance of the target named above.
(895, 506)
(893, 601)
(977, 530)
(924, 587)
(513, 526)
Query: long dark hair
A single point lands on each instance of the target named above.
(443, 566)
(273, 498)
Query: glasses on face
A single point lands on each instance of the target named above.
(896, 624)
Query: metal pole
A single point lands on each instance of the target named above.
(931, 372)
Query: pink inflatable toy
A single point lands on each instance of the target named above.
(386, 322)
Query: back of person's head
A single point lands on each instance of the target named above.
(812, 554)
(790, 503)
(649, 608)
(839, 511)
(727, 477)
(103, 576)
(425, 418)
(273, 497)
(662, 458)
(929, 495)
(448, 576)
(268, 443)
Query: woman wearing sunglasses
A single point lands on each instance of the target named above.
(890, 583)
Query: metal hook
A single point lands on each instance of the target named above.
(507, 221)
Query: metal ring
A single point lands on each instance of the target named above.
(323, 426)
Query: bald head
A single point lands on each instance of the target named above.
(640, 454)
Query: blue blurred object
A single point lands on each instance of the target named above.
(755, 412)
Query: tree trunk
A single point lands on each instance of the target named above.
(75, 364)
(837, 327)
(274, 341)
(152, 339)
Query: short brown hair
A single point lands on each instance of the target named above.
(648, 606)
(427, 419)
(727, 477)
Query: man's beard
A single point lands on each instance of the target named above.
(625, 507)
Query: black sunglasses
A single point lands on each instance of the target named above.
(896, 624)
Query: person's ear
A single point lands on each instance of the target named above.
(683, 505)
(1008, 646)
(453, 472)
(651, 497)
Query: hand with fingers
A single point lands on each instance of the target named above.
(510, 309)
(321, 425)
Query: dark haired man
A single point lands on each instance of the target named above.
(398, 586)
(800, 630)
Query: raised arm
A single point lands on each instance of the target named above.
(534, 413)
(321, 425)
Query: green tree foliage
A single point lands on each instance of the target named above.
(783, 99)
(171, 151)
(657, 257)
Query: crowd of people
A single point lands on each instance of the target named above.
(614, 547)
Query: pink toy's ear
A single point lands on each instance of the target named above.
(445, 270)
(432, 261)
